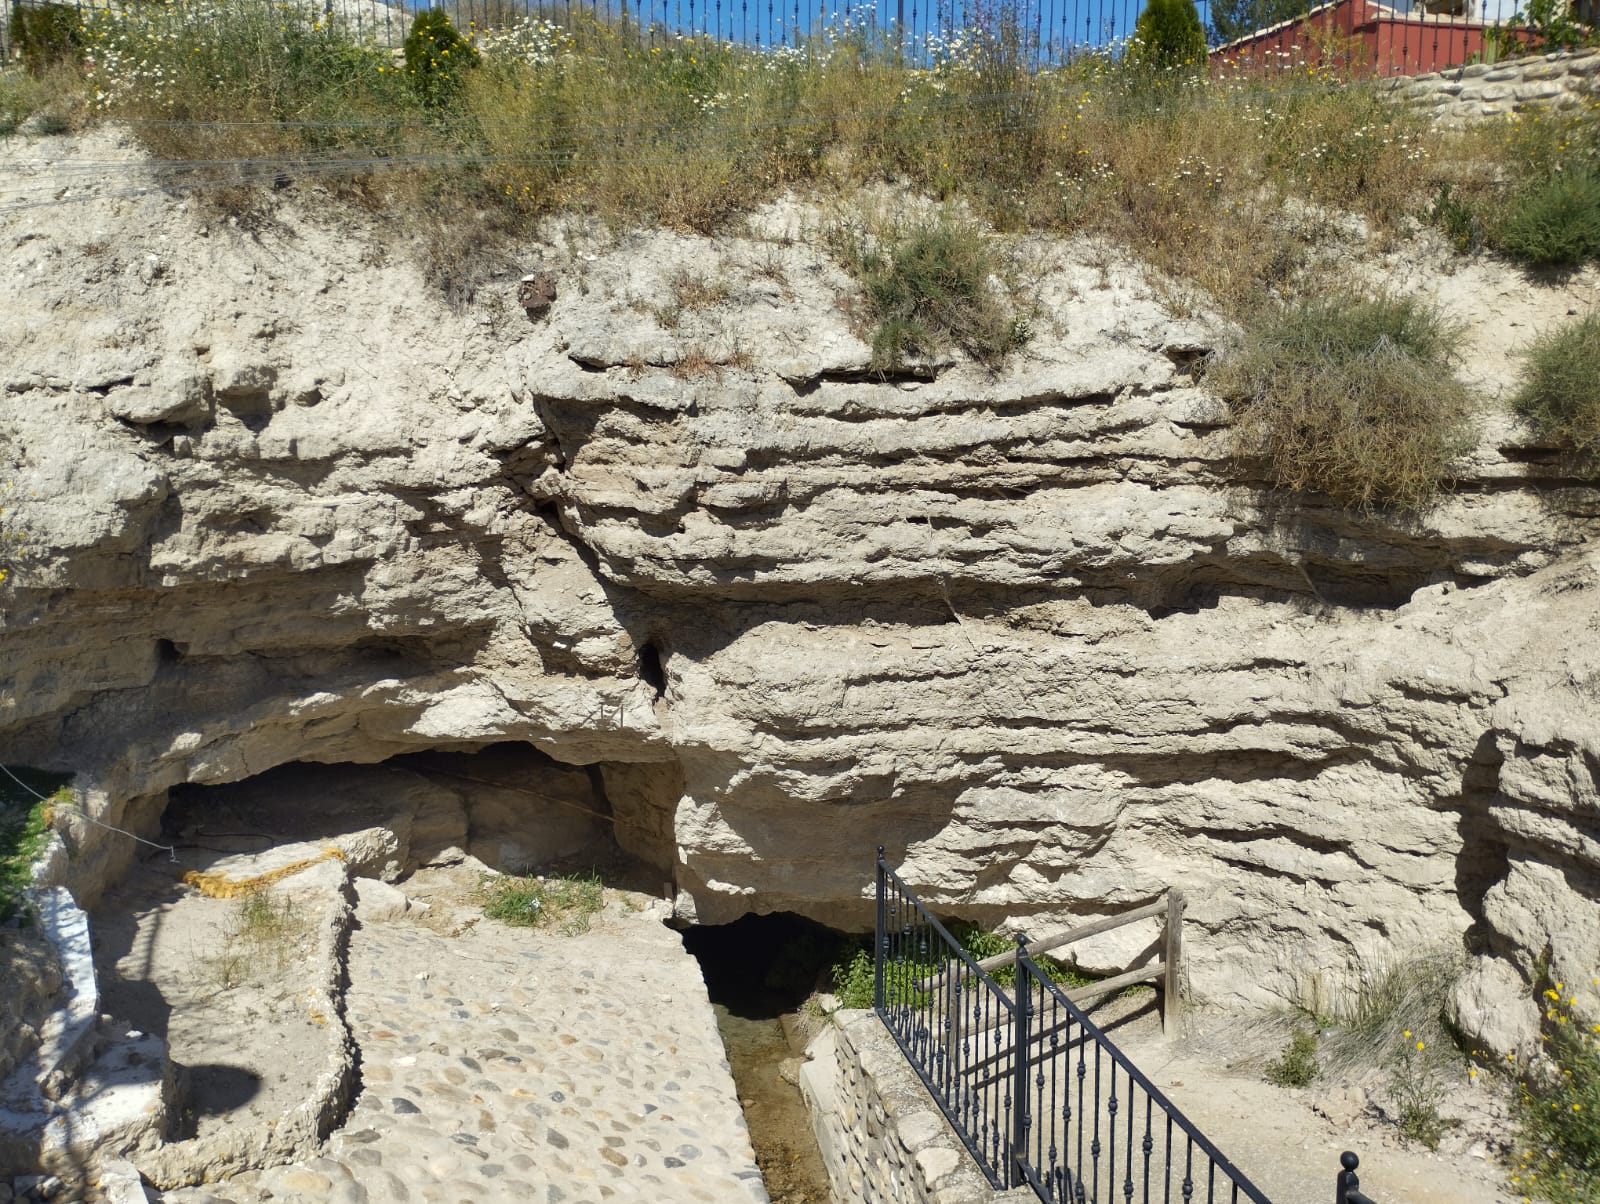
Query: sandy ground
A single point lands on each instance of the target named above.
(1288, 1140)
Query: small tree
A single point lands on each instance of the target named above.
(1169, 34)
(46, 34)
(437, 57)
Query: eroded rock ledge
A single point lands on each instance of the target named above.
(1033, 632)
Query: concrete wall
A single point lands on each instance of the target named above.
(882, 1138)
(1560, 81)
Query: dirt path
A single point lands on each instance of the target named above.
(1288, 1140)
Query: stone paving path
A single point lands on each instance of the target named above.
(504, 1064)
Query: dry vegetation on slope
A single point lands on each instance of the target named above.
(1242, 190)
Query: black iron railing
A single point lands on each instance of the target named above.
(1032, 1086)
(1097, 1129)
(955, 1028)
(1347, 1188)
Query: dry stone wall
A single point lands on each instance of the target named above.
(1565, 81)
(882, 1138)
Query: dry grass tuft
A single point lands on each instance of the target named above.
(1351, 396)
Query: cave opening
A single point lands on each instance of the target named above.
(761, 967)
(761, 972)
(507, 804)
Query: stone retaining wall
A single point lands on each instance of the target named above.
(883, 1139)
(1559, 81)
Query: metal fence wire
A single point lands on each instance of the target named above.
(1359, 37)
(1035, 1090)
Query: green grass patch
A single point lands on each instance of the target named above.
(1351, 396)
(1560, 398)
(24, 828)
(560, 903)
(263, 933)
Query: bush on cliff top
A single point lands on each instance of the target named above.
(1351, 396)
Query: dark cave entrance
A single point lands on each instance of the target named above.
(763, 967)
(760, 971)
(508, 805)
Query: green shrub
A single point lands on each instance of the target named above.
(1350, 396)
(1561, 396)
(929, 285)
(1558, 1112)
(1297, 1066)
(46, 34)
(437, 57)
(21, 95)
(1168, 34)
(852, 974)
(1556, 222)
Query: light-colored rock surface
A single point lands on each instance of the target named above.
(1034, 632)
(507, 1064)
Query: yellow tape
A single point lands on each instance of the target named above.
(220, 886)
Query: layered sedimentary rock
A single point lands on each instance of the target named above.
(1034, 631)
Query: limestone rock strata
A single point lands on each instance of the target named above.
(1033, 631)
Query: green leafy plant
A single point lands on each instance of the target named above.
(438, 57)
(1556, 221)
(564, 903)
(853, 979)
(1561, 396)
(46, 35)
(1351, 396)
(1546, 25)
(1456, 218)
(852, 974)
(1558, 1108)
(1297, 1065)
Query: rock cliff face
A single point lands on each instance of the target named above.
(1032, 632)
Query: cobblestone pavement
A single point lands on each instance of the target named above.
(503, 1064)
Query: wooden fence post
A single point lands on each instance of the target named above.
(1171, 1000)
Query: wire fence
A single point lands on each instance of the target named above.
(1360, 37)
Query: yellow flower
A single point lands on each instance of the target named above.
(1420, 1045)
